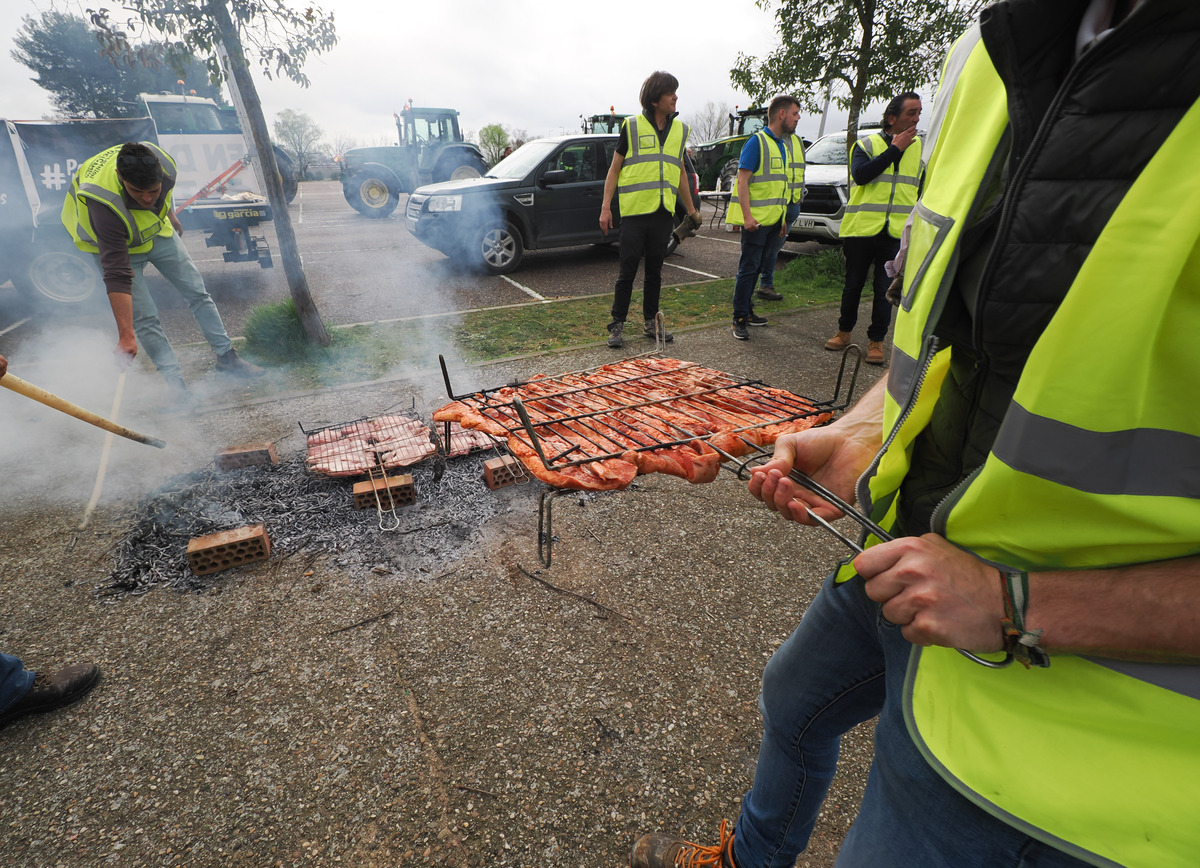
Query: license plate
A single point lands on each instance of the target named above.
(806, 224)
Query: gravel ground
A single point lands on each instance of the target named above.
(330, 708)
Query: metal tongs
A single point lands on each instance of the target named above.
(806, 481)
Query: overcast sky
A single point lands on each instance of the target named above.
(530, 65)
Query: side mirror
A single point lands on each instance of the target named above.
(554, 176)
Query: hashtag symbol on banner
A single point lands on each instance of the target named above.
(54, 178)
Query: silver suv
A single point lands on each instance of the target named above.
(826, 188)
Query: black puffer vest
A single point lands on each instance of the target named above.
(1080, 132)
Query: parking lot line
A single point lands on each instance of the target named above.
(524, 289)
(693, 271)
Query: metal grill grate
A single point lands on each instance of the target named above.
(357, 448)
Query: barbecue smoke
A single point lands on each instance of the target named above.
(48, 457)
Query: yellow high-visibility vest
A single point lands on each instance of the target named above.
(767, 189)
(96, 179)
(651, 170)
(889, 199)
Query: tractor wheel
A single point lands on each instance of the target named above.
(498, 248)
(57, 276)
(728, 179)
(459, 168)
(287, 172)
(373, 192)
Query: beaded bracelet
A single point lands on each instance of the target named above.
(1020, 642)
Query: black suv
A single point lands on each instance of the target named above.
(546, 194)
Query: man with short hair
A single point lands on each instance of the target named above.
(647, 176)
(885, 179)
(764, 180)
(119, 208)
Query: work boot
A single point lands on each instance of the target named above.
(53, 690)
(874, 352)
(739, 328)
(839, 341)
(768, 293)
(615, 330)
(231, 363)
(651, 332)
(663, 851)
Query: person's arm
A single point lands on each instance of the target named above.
(743, 191)
(175, 222)
(865, 169)
(112, 239)
(940, 594)
(610, 187)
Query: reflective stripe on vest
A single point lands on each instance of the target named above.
(767, 188)
(795, 168)
(650, 171)
(1095, 465)
(886, 201)
(97, 179)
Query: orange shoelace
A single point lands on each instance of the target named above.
(693, 855)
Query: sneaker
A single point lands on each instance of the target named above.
(663, 851)
(739, 328)
(54, 690)
(181, 397)
(756, 320)
(874, 352)
(615, 329)
(839, 341)
(768, 293)
(651, 332)
(231, 363)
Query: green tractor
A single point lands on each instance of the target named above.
(431, 149)
(717, 161)
(609, 123)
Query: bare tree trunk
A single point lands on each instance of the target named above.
(288, 251)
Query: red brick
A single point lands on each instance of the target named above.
(228, 548)
(499, 472)
(246, 455)
(393, 491)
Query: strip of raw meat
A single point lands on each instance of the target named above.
(607, 475)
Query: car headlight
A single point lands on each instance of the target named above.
(445, 203)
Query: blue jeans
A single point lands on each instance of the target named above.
(845, 664)
(754, 243)
(15, 681)
(775, 244)
(171, 259)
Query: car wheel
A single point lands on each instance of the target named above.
(58, 275)
(459, 168)
(728, 179)
(498, 249)
(373, 192)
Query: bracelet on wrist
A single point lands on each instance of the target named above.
(1019, 641)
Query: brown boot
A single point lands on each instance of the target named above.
(839, 341)
(51, 690)
(874, 352)
(663, 851)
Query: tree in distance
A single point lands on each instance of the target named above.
(493, 139)
(281, 38)
(297, 132)
(62, 52)
(711, 122)
(859, 51)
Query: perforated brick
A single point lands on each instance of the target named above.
(228, 548)
(499, 472)
(233, 457)
(393, 491)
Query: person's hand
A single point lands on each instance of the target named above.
(697, 219)
(935, 592)
(125, 352)
(828, 456)
(3, 366)
(904, 138)
(751, 225)
(605, 220)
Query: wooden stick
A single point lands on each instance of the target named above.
(16, 384)
(104, 452)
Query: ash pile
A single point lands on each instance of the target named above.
(306, 514)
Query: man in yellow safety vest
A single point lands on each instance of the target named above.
(1030, 471)
(647, 175)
